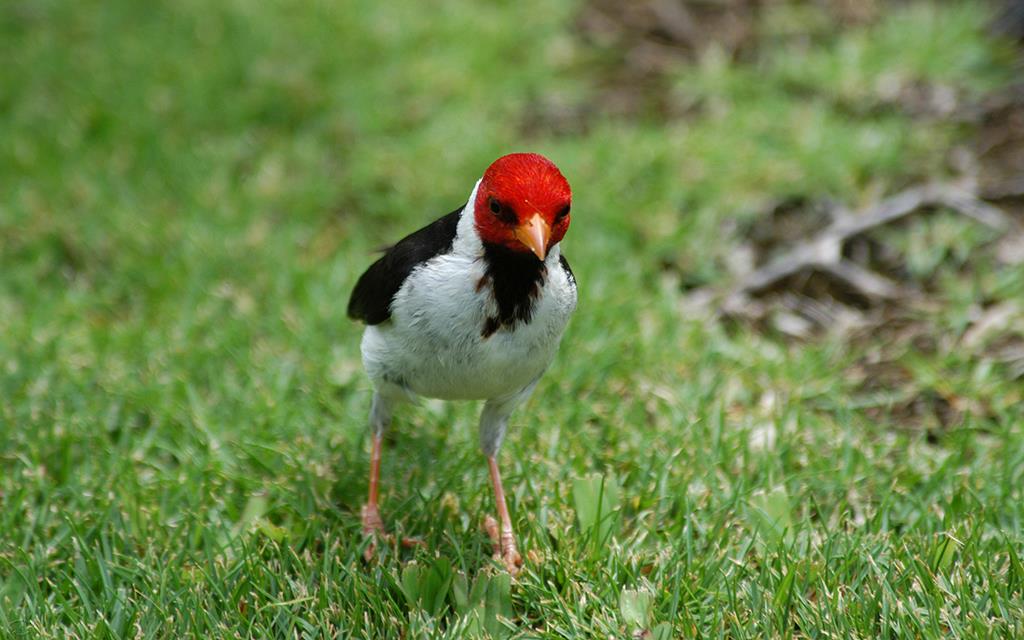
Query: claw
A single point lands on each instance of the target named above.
(373, 528)
(504, 546)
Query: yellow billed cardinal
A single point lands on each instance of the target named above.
(471, 307)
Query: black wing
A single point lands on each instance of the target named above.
(568, 270)
(376, 288)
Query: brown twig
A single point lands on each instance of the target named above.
(824, 251)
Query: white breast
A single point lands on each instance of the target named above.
(433, 344)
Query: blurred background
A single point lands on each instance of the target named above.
(796, 228)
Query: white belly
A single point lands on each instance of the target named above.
(433, 344)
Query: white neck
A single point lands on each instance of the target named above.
(467, 239)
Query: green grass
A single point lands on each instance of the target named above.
(187, 193)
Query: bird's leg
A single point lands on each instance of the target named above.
(504, 539)
(493, 422)
(371, 514)
(373, 524)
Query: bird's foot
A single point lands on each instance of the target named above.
(504, 546)
(373, 528)
(372, 522)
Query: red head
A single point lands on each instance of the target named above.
(523, 203)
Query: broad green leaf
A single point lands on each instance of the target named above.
(254, 509)
(596, 498)
(272, 531)
(460, 593)
(434, 586)
(634, 606)
(411, 584)
(499, 603)
(769, 514)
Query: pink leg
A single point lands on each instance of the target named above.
(373, 525)
(504, 540)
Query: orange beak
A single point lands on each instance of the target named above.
(534, 233)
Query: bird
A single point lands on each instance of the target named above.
(472, 306)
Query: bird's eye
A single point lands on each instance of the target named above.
(501, 212)
(564, 211)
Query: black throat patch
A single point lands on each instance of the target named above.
(515, 278)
